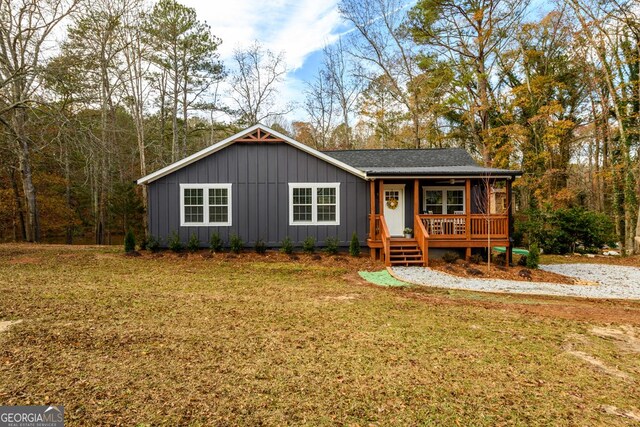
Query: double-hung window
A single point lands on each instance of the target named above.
(444, 200)
(314, 204)
(205, 204)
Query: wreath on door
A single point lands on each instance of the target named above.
(392, 203)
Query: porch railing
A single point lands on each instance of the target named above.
(422, 239)
(386, 240)
(461, 227)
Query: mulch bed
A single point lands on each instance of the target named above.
(462, 268)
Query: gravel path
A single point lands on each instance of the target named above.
(614, 281)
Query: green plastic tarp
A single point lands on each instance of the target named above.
(517, 251)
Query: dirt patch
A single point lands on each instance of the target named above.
(612, 410)
(6, 324)
(602, 311)
(624, 337)
(596, 363)
(461, 269)
(362, 262)
(631, 261)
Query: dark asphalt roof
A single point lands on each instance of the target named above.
(438, 161)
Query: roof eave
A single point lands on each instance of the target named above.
(228, 141)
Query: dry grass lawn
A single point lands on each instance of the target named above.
(199, 340)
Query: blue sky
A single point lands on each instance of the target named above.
(300, 28)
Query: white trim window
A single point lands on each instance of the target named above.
(314, 203)
(443, 200)
(206, 205)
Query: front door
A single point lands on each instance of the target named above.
(394, 208)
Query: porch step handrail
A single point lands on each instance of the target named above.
(386, 240)
(422, 238)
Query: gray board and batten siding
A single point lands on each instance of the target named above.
(260, 175)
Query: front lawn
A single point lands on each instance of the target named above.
(221, 340)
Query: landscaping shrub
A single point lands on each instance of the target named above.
(143, 243)
(331, 245)
(567, 230)
(236, 244)
(534, 256)
(354, 246)
(194, 243)
(286, 246)
(260, 247)
(129, 242)
(500, 259)
(309, 245)
(476, 259)
(450, 257)
(522, 262)
(215, 242)
(174, 242)
(153, 244)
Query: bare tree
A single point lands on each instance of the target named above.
(136, 84)
(26, 27)
(382, 44)
(319, 105)
(345, 85)
(254, 84)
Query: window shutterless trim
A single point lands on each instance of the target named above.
(205, 205)
(314, 210)
(443, 189)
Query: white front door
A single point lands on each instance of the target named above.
(394, 208)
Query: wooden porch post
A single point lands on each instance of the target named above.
(416, 202)
(381, 201)
(509, 251)
(372, 216)
(467, 196)
(381, 195)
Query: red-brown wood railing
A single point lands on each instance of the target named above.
(386, 240)
(422, 238)
(454, 227)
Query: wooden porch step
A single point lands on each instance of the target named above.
(405, 252)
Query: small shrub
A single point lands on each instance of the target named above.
(450, 257)
(174, 242)
(286, 246)
(129, 242)
(331, 245)
(236, 244)
(153, 244)
(476, 259)
(500, 259)
(215, 242)
(534, 256)
(354, 246)
(194, 243)
(309, 245)
(260, 247)
(143, 243)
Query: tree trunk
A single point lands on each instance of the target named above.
(19, 210)
(29, 191)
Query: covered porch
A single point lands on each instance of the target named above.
(459, 213)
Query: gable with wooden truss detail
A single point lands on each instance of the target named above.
(258, 134)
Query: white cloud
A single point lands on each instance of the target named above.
(297, 27)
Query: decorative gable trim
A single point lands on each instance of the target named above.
(255, 134)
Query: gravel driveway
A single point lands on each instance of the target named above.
(614, 281)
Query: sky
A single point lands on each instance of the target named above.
(300, 28)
